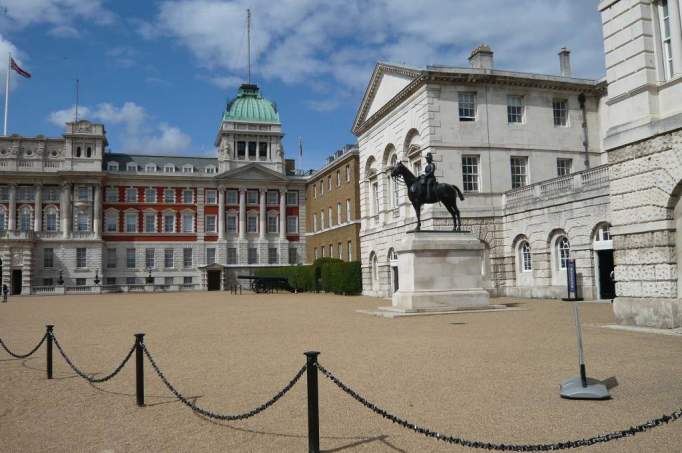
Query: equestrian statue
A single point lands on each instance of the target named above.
(426, 190)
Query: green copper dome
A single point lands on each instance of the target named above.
(250, 105)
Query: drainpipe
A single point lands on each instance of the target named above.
(586, 143)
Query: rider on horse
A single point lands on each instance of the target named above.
(428, 178)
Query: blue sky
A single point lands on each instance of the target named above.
(158, 74)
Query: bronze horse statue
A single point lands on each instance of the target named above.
(441, 192)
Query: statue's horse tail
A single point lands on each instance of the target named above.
(459, 192)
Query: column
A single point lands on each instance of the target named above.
(97, 211)
(282, 213)
(221, 213)
(675, 36)
(38, 209)
(242, 213)
(65, 210)
(12, 220)
(262, 214)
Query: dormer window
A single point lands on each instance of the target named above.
(188, 169)
(150, 168)
(132, 166)
(169, 168)
(210, 170)
(112, 166)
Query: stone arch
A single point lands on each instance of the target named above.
(370, 167)
(389, 150)
(412, 143)
(373, 271)
(558, 254)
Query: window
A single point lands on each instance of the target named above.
(210, 170)
(83, 193)
(316, 253)
(187, 257)
(130, 258)
(329, 183)
(81, 257)
(50, 219)
(293, 255)
(393, 185)
(48, 258)
(272, 255)
(314, 191)
(3, 219)
(111, 258)
(187, 196)
(322, 220)
(272, 223)
(526, 260)
(241, 150)
(131, 222)
(150, 222)
(232, 197)
(50, 194)
(131, 195)
(25, 219)
(111, 194)
(150, 195)
(187, 169)
(272, 197)
(338, 213)
(563, 252)
(131, 166)
(253, 255)
(350, 250)
(48, 282)
(231, 223)
(470, 174)
(331, 251)
(349, 213)
(231, 255)
(262, 151)
(292, 198)
(467, 106)
(514, 109)
(82, 221)
(292, 224)
(169, 222)
(25, 193)
(563, 167)
(211, 224)
(347, 173)
(187, 222)
(603, 233)
(338, 178)
(187, 281)
(340, 251)
(210, 255)
(375, 198)
(169, 195)
(666, 41)
(149, 259)
(251, 197)
(211, 197)
(252, 150)
(560, 110)
(150, 168)
(519, 172)
(168, 258)
(112, 166)
(330, 217)
(251, 223)
(169, 168)
(111, 222)
(168, 281)
(80, 282)
(315, 221)
(321, 187)
(131, 280)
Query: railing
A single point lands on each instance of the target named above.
(189, 287)
(30, 165)
(135, 288)
(17, 235)
(79, 289)
(564, 185)
(42, 290)
(84, 235)
(49, 234)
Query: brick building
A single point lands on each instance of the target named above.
(333, 208)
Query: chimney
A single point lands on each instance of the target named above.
(481, 57)
(565, 62)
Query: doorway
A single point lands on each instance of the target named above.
(213, 280)
(16, 282)
(607, 289)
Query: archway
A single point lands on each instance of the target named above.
(602, 245)
(393, 284)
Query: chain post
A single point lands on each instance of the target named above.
(139, 369)
(50, 327)
(313, 405)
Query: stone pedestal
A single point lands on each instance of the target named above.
(439, 271)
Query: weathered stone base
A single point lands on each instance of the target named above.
(455, 299)
(649, 312)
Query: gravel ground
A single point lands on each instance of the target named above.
(487, 376)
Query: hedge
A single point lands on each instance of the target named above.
(327, 274)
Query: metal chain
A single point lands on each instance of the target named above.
(602, 438)
(23, 356)
(213, 415)
(84, 375)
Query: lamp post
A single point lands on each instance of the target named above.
(150, 279)
(60, 281)
(97, 280)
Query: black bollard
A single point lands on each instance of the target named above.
(313, 406)
(139, 373)
(49, 350)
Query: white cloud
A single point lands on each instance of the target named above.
(64, 31)
(138, 133)
(227, 82)
(307, 41)
(6, 47)
(22, 13)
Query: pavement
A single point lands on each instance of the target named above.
(492, 376)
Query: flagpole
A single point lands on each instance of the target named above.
(9, 59)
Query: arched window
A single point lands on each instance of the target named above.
(603, 232)
(392, 255)
(395, 199)
(25, 219)
(563, 252)
(51, 219)
(88, 152)
(525, 257)
(78, 151)
(82, 221)
(374, 269)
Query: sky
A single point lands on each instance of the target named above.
(159, 74)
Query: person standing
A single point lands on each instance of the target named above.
(5, 293)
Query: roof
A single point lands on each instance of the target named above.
(251, 106)
(143, 159)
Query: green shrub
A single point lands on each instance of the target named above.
(300, 277)
(325, 274)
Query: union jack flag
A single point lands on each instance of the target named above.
(21, 72)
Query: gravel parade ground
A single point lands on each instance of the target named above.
(492, 376)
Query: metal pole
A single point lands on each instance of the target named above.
(139, 369)
(49, 350)
(9, 59)
(581, 356)
(313, 406)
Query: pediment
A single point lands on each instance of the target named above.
(252, 172)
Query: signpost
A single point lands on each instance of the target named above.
(582, 387)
